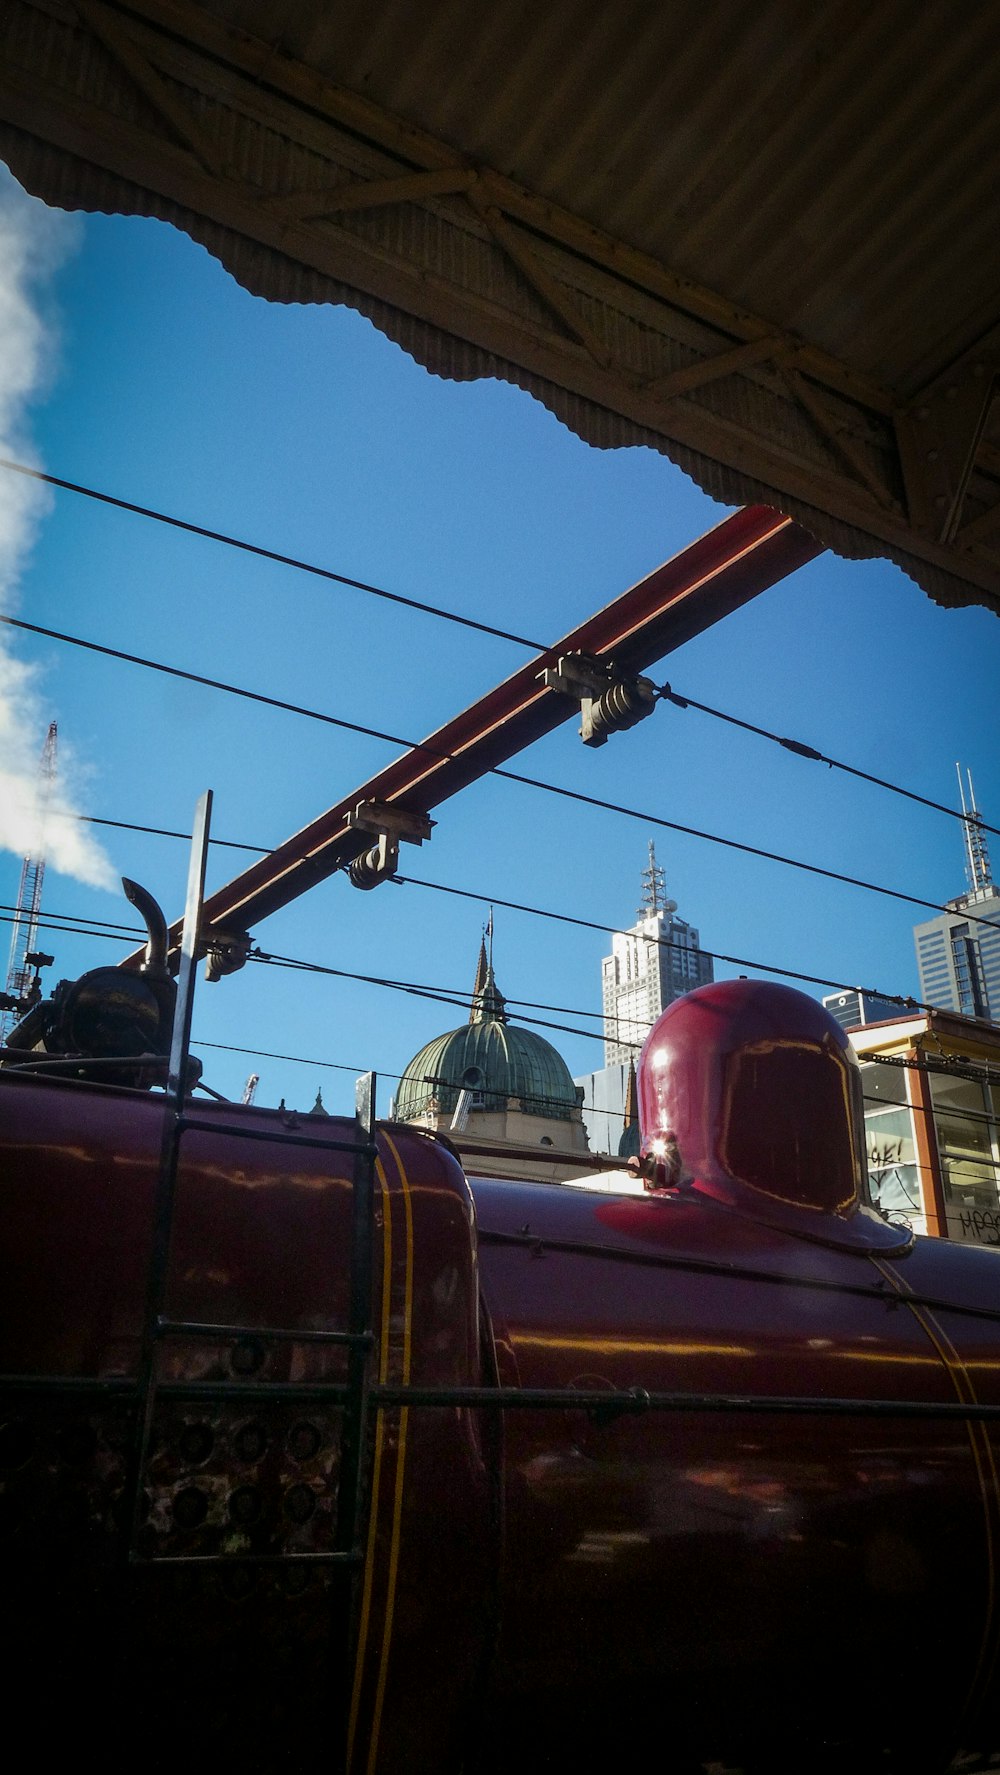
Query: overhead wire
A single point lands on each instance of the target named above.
(266, 554)
(664, 692)
(905, 1003)
(438, 995)
(558, 789)
(415, 990)
(946, 1065)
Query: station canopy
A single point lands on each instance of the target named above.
(760, 238)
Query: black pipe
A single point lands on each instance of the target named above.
(156, 925)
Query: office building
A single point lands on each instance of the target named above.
(958, 952)
(650, 965)
(854, 1009)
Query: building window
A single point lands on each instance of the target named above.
(965, 1118)
(893, 1176)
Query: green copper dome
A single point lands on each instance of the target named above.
(493, 1059)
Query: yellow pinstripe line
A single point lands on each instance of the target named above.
(978, 1442)
(397, 1511)
(376, 1464)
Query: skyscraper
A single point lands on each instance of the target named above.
(957, 955)
(650, 965)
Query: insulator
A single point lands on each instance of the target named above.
(365, 870)
(375, 865)
(620, 706)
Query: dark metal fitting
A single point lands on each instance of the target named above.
(624, 703)
(609, 701)
(384, 817)
(375, 865)
(665, 694)
(393, 826)
(225, 953)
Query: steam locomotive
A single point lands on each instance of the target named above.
(318, 1453)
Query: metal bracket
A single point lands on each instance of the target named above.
(610, 701)
(393, 825)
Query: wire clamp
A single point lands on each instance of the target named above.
(392, 826)
(610, 701)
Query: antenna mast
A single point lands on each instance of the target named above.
(977, 857)
(654, 894)
(24, 936)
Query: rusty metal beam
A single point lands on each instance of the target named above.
(715, 575)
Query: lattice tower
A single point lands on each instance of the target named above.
(977, 857)
(24, 935)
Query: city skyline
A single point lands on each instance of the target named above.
(339, 450)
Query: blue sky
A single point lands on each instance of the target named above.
(304, 430)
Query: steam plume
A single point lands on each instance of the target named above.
(34, 242)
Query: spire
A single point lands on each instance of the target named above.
(977, 857)
(319, 1108)
(488, 1003)
(628, 1145)
(479, 984)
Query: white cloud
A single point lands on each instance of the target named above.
(34, 242)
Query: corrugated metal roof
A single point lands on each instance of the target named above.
(684, 178)
(831, 168)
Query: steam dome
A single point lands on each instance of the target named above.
(755, 1091)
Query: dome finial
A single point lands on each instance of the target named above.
(479, 983)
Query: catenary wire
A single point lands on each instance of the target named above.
(414, 990)
(589, 924)
(438, 995)
(266, 554)
(944, 1065)
(665, 692)
(904, 1001)
(510, 776)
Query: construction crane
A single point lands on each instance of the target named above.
(29, 898)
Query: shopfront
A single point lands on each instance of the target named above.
(931, 1086)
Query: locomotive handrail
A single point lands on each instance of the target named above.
(631, 1401)
(636, 1401)
(290, 1136)
(538, 1245)
(204, 1328)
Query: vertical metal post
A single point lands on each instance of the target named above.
(350, 1524)
(359, 1314)
(163, 1207)
(917, 1090)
